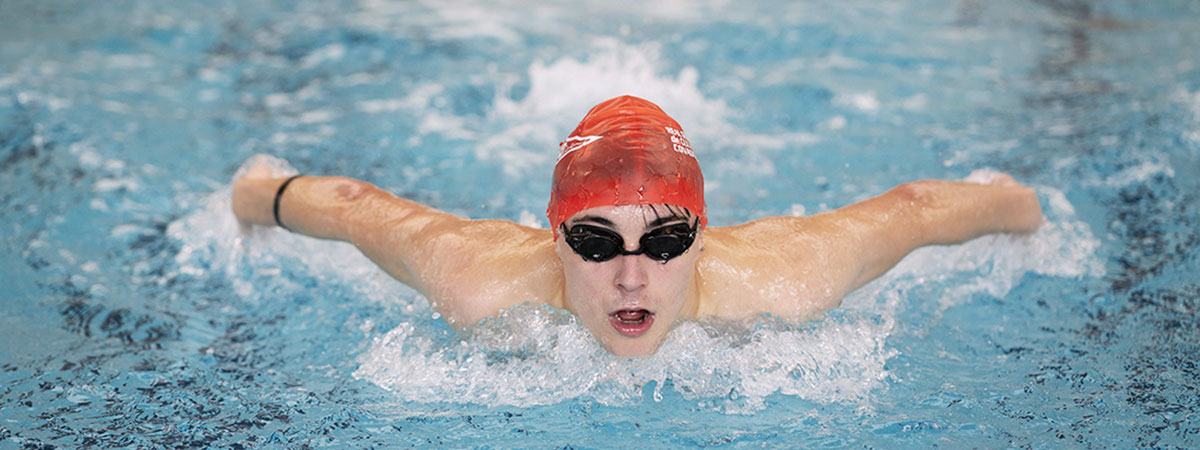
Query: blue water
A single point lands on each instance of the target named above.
(135, 313)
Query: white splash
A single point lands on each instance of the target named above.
(213, 243)
(561, 92)
(1063, 246)
(536, 356)
(450, 20)
(1190, 100)
(863, 101)
(1137, 174)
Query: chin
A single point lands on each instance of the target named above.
(632, 352)
(626, 347)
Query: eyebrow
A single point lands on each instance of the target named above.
(665, 220)
(608, 223)
(595, 219)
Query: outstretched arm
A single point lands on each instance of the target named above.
(883, 229)
(800, 267)
(389, 230)
(469, 269)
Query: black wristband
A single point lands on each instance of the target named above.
(278, 195)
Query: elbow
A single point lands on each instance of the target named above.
(919, 211)
(921, 193)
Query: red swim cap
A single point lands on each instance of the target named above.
(626, 151)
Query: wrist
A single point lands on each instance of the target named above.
(253, 199)
(279, 199)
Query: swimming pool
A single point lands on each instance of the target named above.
(135, 313)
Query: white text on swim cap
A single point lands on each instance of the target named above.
(679, 142)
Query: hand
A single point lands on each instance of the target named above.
(1026, 213)
(254, 187)
(991, 177)
(263, 165)
(1000, 179)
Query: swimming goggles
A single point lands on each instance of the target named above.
(601, 244)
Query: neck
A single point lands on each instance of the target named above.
(693, 298)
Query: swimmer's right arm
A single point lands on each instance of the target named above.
(391, 231)
(469, 269)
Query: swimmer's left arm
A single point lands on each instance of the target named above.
(878, 232)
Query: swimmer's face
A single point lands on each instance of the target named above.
(630, 302)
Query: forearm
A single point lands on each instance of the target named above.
(395, 233)
(923, 213)
(948, 212)
(315, 206)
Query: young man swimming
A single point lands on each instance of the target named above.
(629, 251)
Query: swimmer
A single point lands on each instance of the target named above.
(628, 250)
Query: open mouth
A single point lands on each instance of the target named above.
(632, 322)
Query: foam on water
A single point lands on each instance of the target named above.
(1063, 247)
(1190, 100)
(213, 243)
(525, 131)
(454, 19)
(459, 20)
(534, 356)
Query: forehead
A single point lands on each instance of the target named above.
(632, 215)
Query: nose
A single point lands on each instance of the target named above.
(632, 274)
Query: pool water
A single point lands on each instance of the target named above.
(136, 313)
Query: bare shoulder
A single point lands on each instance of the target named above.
(777, 265)
(479, 267)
